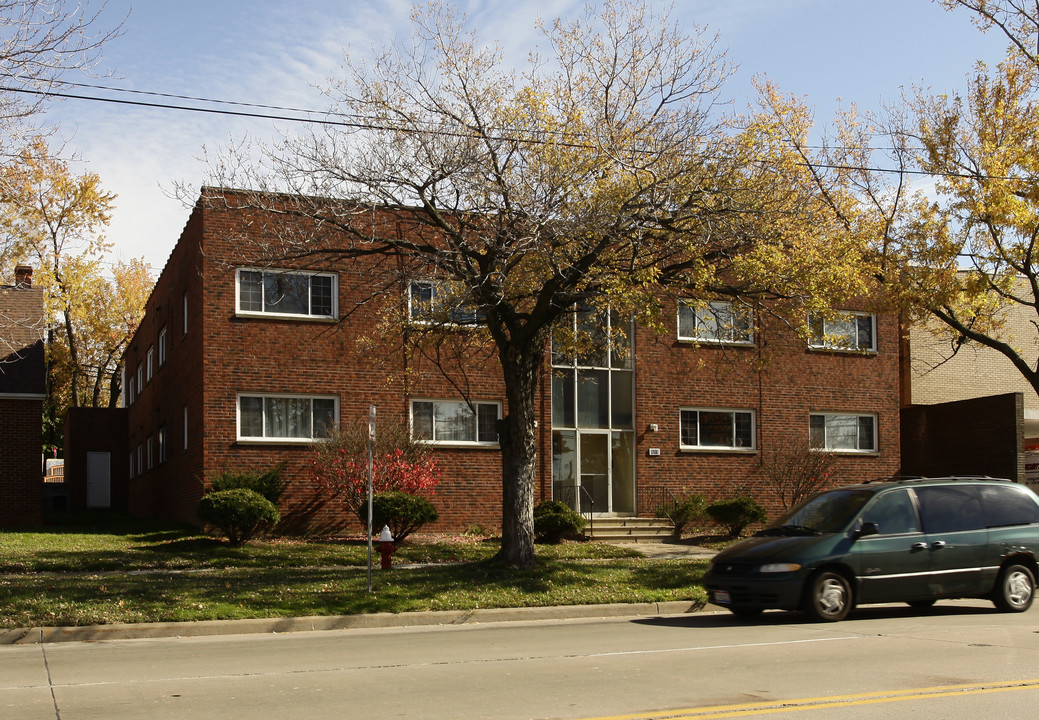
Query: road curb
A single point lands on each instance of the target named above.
(136, 631)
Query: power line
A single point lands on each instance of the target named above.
(365, 124)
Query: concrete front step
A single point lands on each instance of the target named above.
(629, 529)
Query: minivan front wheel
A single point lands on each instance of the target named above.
(829, 597)
(1015, 589)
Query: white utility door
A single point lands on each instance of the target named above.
(99, 480)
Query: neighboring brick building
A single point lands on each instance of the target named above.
(22, 388)
(936, 385)
(237, 365)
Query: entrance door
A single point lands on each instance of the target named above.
(594, 461)
(99, 480)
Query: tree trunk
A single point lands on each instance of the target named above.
(518, 440)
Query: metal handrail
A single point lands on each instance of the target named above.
(575, 501)
(665, 499)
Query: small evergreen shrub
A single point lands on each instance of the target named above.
(403, 512)
(240, 513)
(686, 513)
(267, 483)
(736, 514)
(555, 520)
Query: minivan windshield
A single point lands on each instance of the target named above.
(828, 512)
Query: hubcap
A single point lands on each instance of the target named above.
(831, 597)
(1019, 588)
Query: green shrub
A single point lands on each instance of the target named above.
(267, 483)
(403, 512)
(555, 520)
(685, 513)
(239, 513)
(736, 514)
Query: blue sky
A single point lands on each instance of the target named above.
(274, 52)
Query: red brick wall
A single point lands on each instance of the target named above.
(782, 381)
(21, 473)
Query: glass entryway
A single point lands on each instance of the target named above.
(593, 434)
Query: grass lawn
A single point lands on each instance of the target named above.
(109, 568)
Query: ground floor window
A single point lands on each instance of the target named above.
(288, 417)
(711, 428)
(843, 432)
(455, 421)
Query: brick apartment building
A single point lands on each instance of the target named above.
(22, 389)
(240, 364)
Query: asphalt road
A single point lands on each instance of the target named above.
(961, 660)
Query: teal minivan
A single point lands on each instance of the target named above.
(913, 540)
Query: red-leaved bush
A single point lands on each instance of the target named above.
(340, 468)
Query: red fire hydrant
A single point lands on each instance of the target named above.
(386, 547)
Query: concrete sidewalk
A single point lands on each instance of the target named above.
(130, 631)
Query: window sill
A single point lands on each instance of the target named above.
(685, 449)
(434, 445)
(279, 441)
(716, 343)
(287, 317)
(848, 453)
(842, 351)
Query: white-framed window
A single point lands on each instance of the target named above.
(132, 475)
(717, 428)
(845, 331)
(436, 301)
(149, 445)
(162, 346)
(843, 432)
(131, 389)
(455, 422)
(140, 377)
(719, 321)
(185, 427)
(281, 418)
(150, 363)
(294, 293)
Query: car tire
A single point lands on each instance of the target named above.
(1015, 589)
(828, 597)
(746, 613)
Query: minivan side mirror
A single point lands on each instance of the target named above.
(865, 528)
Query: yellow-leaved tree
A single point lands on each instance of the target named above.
(52, 220)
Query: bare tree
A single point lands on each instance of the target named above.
(605, 176)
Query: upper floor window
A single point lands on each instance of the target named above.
(436, 301)
(718, 322)
(845, 331)
(843, 432)
(286, 417)
(451, 421)
(287, 292)
(162, 346)
(717, 429)
(150, 363)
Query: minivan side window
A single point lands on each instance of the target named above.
(1007, 505)
(949, 508)
(893, 513)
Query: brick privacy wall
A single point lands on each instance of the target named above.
(223, 355)
(21, 473)
(96, 430)
(980, 436)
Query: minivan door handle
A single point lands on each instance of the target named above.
(919, 546)
(937, 544)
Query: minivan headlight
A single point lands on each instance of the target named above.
(779, 568)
